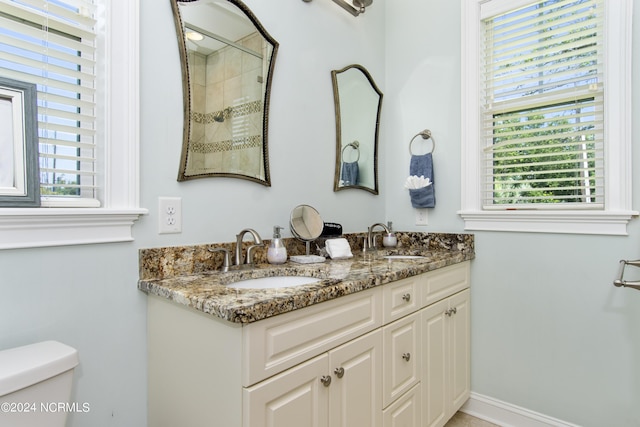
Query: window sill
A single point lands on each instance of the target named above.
(567, 222)
(31, 228)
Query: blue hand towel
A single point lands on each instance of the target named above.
(422, 165)
(349, 174)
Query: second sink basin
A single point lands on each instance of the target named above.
(273, 282)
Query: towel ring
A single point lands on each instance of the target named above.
(356, 146)
(425, 134)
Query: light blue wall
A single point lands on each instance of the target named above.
(314, 38)
(550, 333)
(84, 297)
(423, 92)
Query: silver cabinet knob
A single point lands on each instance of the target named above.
(406, 297)
(339, 372)
(406, 356)
(326, 380)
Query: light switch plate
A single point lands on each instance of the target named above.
(169, 215)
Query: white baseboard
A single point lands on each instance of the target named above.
(507, 415)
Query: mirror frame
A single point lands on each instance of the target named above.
(186, 90)
(336, 98)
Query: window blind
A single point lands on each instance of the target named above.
(542, 102)
(52, 43)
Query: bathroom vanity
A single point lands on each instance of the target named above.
(378, 343)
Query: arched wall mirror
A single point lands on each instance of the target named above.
(227, 62)
(358, 103)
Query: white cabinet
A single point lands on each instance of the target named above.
(401, 357)
(396, 355)
(446, 358)
(434, 347)
(443, 282)
(401, 298)
(356, 387)
(460, 348)
(341, 388)
(274, 344)
(296, 398)
(405, 411)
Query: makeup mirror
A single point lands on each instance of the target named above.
(306, 224)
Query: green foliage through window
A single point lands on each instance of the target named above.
(540, 156)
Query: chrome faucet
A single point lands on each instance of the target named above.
(371, 239)
(238, 253)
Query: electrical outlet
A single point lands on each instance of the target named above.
(170, 215)
(422, 218)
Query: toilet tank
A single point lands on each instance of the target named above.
(35, 384)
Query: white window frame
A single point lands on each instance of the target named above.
(52, 226)
(617, 213)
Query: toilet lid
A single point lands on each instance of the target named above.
(21, 367)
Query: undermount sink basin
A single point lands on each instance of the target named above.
(391, 257)
(273, 282)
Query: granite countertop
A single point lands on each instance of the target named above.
(207, 292)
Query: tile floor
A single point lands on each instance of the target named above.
(463, 420)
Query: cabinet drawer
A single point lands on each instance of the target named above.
(401, 298)
(443, 282)
(405, 411)
(280, 342)
(401, 357)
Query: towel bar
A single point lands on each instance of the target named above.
(425, 134)
(619, 282)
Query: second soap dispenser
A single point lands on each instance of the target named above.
(277, 251)
(389, 240)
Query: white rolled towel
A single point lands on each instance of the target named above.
(338, 248)
(414, 182)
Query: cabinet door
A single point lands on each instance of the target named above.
(435, 353)
(405, 411)
(446, 364)
(294, 398)
(355, 394)
(401, 340)
(459, 377)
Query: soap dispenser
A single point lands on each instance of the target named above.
(389, 240)
(277, 252)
